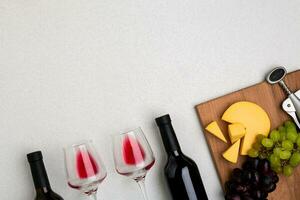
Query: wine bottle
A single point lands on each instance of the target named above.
(40, 178)
(181, 172)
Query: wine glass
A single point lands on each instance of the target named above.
(133, 156)
(85, 170)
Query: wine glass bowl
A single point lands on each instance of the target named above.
(84, 168)
(133, 156)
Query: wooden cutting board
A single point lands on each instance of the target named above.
(270, 98)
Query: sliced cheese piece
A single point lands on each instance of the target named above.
(232, 153)
(252, 117)
(236, 131)
(214, 129)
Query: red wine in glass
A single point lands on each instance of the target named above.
(86, 165)
(133, 156)
(85, 169)
(133, 152)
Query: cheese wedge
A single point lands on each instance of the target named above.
(232, 153)
(214, 129)
(236, 131)
(252, 117)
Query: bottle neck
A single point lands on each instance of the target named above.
(39, 175)
(43, 190)
(169, 139)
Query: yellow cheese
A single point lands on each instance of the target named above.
(236, 131)
(232, 153)
(214, 129)
(252, 117)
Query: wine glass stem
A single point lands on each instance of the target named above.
(143, 188)
(93, 196)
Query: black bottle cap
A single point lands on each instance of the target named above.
(165, 119)
(168, 134)
(38, 170)
(34, 156)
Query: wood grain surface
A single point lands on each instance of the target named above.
(270, 98)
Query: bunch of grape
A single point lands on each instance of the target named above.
(281, 148)
(253, 182)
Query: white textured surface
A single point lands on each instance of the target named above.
(86, 69)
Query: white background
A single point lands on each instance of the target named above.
(72, 70)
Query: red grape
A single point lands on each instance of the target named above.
(246, 176)
(236, 175)
(264, 166)
(232, 197)
(254, 181)
(266, 181)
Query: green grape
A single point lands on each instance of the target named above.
(277, 169)
(298, 141)
(282, 133)
(287, 145)
(281, 128)
(275, 135)
(253, 153)
(277, 151)
(282, 136)
(257, 146)
(289, 124)
(259, 137)
(285, 154)
(262, 156)
(290, 128)
(274, 160)
(292, 135)
(287, 170)
(295, 159)
(266, 142)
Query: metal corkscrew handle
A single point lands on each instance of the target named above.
(276, 76)
(285, 88)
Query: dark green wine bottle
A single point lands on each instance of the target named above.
(181, 172)
(40, 178)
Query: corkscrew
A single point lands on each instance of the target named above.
(292, 104)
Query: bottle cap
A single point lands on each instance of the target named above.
(34, 156)
(165, 119)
